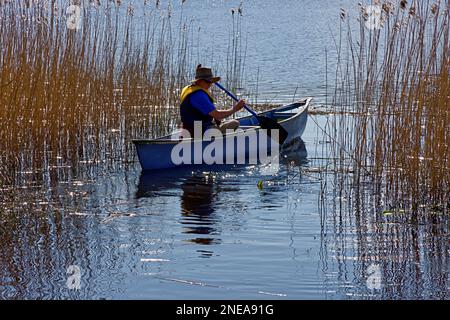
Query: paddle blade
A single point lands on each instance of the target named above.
(271, 124)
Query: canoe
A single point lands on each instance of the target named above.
(155, 183)
(240, 147)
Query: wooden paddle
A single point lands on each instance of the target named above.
(264, 122)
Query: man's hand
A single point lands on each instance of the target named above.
(239, 105)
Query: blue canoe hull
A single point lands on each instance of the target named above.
(158, 153)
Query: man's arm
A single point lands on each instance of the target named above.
(222, 114)
(201, 102)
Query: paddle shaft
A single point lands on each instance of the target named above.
(264, 122)
(232, 96)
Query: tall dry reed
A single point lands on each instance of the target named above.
(395, 79)
(71, 96)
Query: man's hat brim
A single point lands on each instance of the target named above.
(212, 79)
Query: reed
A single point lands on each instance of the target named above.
(77, 96)
(395, 81)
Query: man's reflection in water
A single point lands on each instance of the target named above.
(199, 191)
(197, 199)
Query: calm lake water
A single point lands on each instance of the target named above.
(205, 233)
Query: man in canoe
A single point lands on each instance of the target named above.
(197, 104)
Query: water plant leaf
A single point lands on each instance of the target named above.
(260, 184)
